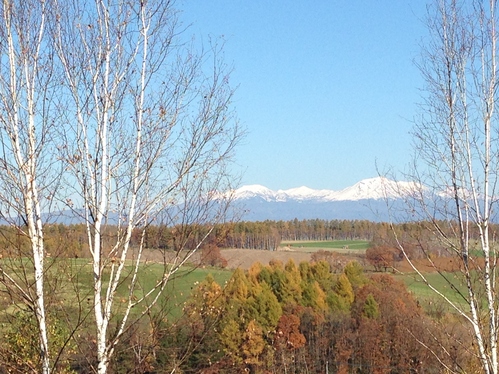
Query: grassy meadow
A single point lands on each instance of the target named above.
(342, 246)
(69, 283)
(415, 284)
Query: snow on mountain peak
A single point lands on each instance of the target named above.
(302, 193)
(372, 188)
(254, 190)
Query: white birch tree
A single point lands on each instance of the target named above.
(26, 174)
(457, 150)
(147, 133)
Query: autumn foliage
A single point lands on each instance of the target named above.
(288, 318)
(383, 257)
(313, 317)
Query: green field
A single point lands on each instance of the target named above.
(337, 245)
(428, 298)
(70, 281)
(181, 286)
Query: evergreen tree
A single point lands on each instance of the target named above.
(321, 273)
(293, 282)
(344, 289)
(371, 307)
(232, 338)
(314, 297)
(264, 308)
(253, 273)
(355, 274)
(237, 287)
(253, 344)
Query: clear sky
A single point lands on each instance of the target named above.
(326, 89)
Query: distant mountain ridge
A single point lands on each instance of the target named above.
(365, 200)
(367, 189)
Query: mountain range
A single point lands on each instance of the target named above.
(366, 199)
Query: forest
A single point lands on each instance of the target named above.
(265, 235)
(308, 317)
(288, 318)
(112, 112)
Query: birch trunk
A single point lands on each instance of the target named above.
(23, 29)
(153, 136)
(456, 165)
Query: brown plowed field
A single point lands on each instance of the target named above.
(244, 258)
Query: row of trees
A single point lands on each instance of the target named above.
(269, 234)
(70, 240)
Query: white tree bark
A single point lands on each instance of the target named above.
(24, 83)
(109, 94)
(151, 132)
(456, 160)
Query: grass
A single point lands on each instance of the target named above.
(337, 245)
(181, 285)
(428, 299)
(69, 282)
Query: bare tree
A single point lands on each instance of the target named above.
(457, 150)
(26, 174)
(148, 136)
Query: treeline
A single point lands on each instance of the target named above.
(268, 234)
(285, 318)
(71, 240)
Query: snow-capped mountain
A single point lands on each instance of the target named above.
(373, 188)
(364, 200)
(255, 190)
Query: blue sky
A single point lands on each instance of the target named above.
(326, 89)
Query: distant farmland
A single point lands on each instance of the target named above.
(343, 246)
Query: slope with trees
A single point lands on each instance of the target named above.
(288, 318)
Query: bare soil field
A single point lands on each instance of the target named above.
(244, 258)
(240, 258)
